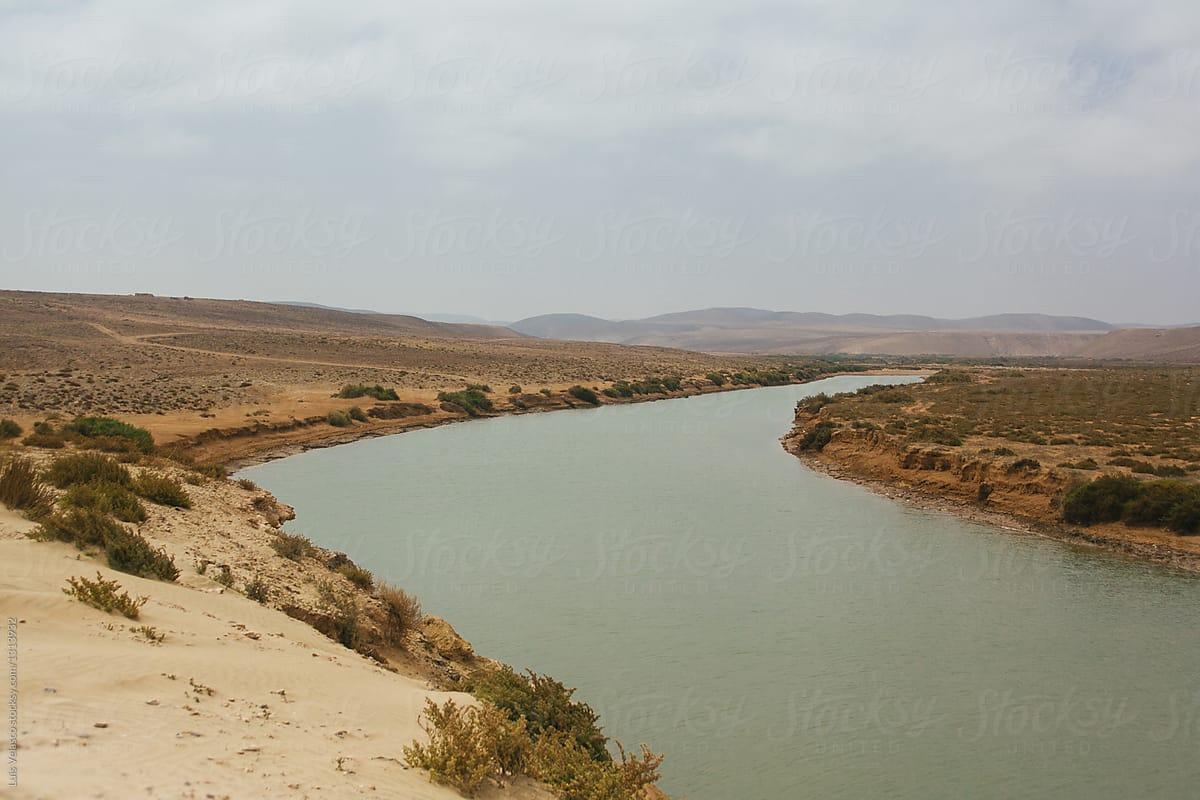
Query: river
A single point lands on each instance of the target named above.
(775, 632)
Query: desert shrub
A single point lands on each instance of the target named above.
(360, 577)
(934, 434)
(585, 394)
(479, 387)
(149, 633)
(216, 472)
(292, 546)
(107, 498)
(1101, 500)
(161, 489)
(814, 403)
(514, 389)
(468, 745)
(21, 488)
(77, 468)
(1021, 464)
(225, 576)
(352, 391)
(339, 419)
(128, 551)
(343, 613)
(1185, 517)
(112, 434)
(545, 704)
(402, 613)
(104, 595)
(257, 590)
(1004, 451)
(716, 378)
(950, 376)
(82, 527)
(355, 413)
(546, 392)
(472, 400)
(1084, 463)
(816, 437)
(557, 760)
(247, 484)
(9, 429)
(1155, 500)
(1169, 471)
(51, 440)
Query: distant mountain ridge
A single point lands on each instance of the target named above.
(754, 330)
(583, 327)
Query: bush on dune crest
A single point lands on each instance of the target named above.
(22, 489)
(162, 490)
(107, 498)
(68, 471)
(125, 550)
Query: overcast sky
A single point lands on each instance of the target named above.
(505, 159)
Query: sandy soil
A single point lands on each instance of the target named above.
(240, 699)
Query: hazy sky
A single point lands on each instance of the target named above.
(622, 159)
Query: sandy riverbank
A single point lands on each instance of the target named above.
(238, 699)
(240, 446)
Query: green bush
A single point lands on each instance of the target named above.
(1102, 500)
(1166, 503)
(82, 527)
(1185, 517)
(716, 378)
(468, 745)
(292, 546)
(816, 437)
(351, 391)
(163, 490)
(78, 468)
(360, 577)
(104, 595)
(402, 613)
(545, 704)
(343, 613)
(1021, 464)
(585, 394)
(339, 419)
(9, 429)
(355, 413)
(107, 498)
(129, 552)
(258, 591)
(472, 400)
(1155, 500)
(558, 761)
(125, 550)
(21, 488)
(113, 434)
(514, 389)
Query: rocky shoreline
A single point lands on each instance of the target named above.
(936, 480)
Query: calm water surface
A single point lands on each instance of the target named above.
(775, 632)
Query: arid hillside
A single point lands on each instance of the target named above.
(750, 330)
(184, 367)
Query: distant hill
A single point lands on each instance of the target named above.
(754, 330)
(175, 312)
